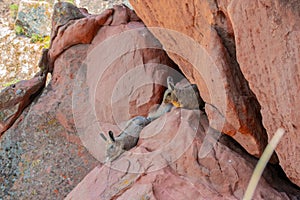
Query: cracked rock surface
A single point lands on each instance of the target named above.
(246, 66)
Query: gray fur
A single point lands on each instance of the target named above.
(162, 109)
(126, 140)
(186, 96)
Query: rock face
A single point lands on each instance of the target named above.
(142, 69)
(113, 74)
(275, 76)
(166, 164)
(205, 59)
(65, 33)
(42, 155)
(99, 6)
(238, 43)
(15, 98)
(121, 80)
(34, 18)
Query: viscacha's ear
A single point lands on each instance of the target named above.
(111, 135)
(170, 83)
(167, 96)
(103, 136)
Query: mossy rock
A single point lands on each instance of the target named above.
(34, 19)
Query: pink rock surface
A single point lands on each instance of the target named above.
(41, 155)
(204, 55)
(45, 153)
(80, 31)
(124, 76)
(71, 27)
(122, 79)
(129, 77)
(166, 164)
(267, 46)
(15, 98)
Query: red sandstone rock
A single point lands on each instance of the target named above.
(260, 37)
(204, 58)
(267, 47)
(166, 165)
(80, 31)
(44, 154)
(134, 98)
(41, 155)
(129, 77)
(124, 76)
(15, 98)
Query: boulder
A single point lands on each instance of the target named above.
(124, 76)
(130, 76)
(15, 98)
(100, 6)
(267, 49)
(253, 82)
(166, 164)
(206, 56)
(34, 18)
(53, 149)
(41, 156)
(45, 153)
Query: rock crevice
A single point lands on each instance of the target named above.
(254, 49)
(105, 74)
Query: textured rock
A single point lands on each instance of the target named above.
(166, 165)
(15, 98)
(267, 48)
(263, 38)
(35, 17)
(132, 75)
(64, 12)
(41, 155)
(100, 6)
(95, 87)
(70, 27)
(120, 79)
(205, 58)
(81, 31)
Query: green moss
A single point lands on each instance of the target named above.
(19, 30)
(36, 38)
(13, 9)
(46, 42)
(71, 1)
(10, 83)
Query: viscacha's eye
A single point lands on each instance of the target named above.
(13, 85)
